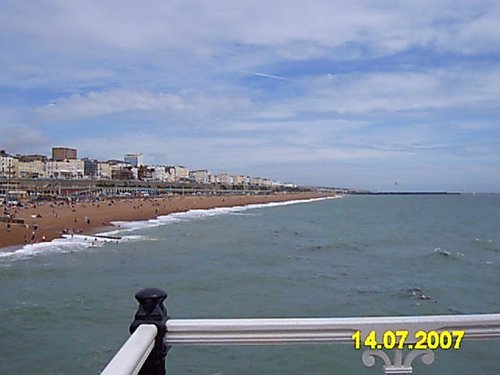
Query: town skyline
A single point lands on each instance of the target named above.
(365, 95)
(64, 163)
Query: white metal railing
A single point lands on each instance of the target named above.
(321, 330)
(333, 330)
(134, 352)
(306, 331)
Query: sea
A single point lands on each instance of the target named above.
(66, 305)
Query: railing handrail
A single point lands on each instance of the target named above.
(134, 352)
(153, 333)
(274, 331)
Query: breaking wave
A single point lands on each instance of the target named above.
(127, 226)
(78, 242)
(66, 244)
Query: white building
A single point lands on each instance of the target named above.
(241, 180)
(9, 166)
(135, 160)
(135, 173)
(225, 179)
(256, 181)
(170, 174)
(67, 169)
(32, 169)
(103, 170)
(160, 173)
(266, 182)
(213, 179)
(181, 173)
(201, 176)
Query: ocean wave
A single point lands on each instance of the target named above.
(78, 242)
(66, 244)
(416, 293)
(176, 217)
(486, 244)
(447, 253)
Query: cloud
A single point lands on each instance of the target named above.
(55, 31)
(214, 151)
(425, 90)
(265, 75)
(121, 101)
(23, 139)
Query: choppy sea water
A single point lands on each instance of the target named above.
(66, 306)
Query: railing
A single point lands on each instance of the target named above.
(134, 352)
(152, 316)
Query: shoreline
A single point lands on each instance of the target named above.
(48, 221)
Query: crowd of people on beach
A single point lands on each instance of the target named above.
(40, 221)
(11, 212)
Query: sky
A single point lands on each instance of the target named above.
(379, 95)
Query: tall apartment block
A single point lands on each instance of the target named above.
(63, 153)
(133, 159)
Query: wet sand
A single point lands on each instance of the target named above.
(47, 221)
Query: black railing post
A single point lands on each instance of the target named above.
(152, 311)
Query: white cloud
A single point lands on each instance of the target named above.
(120, 101)
(202, 27)
(264, 75)
(23, 139)
(235, 153)
(389, 92)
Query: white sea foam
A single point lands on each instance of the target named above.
(78, 242)
(176, 217)
(66, 244)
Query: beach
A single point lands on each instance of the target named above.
(49, 220)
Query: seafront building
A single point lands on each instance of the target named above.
(241, 180)
(135, 160)
(90, 167)
(65, 165)
(200, 176)
(63, 153)
(225, 179)
(103, 170)
(9, 165)
(65, 169)
(161, 173)
(256, 181)
(181, 173)
(32, 157)
(213, 179)
(32, 169)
